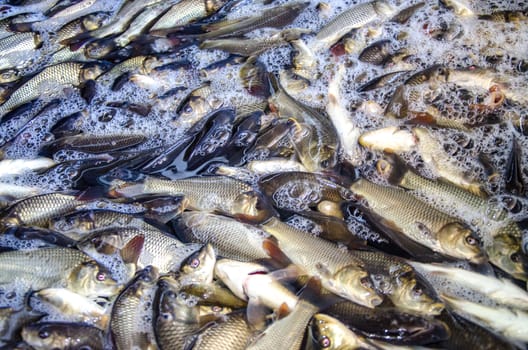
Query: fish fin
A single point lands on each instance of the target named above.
(289, 273)
(256, 314)
(273, 250)
(88, 90)
(395, 170)
(21, 27)
(414, 249)
(211, 27)
(282, 311)
(92, 193)
(120, 81)
(132, 250)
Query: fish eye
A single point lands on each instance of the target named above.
(43, 334)
(325, 163)
(188, 109)
(471, 240)
(325, 342)
(195, 263)
(417, 291)
(515, 257)
(216, 308)
(101, 276)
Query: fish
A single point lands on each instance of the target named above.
(347, 130)
(404, 15)
(389, 324)
(47, 267)
(50, 83)
(217, 193)
(510, 323)
(498, 290)
(10, 167)
(118, 23)
(355, 17)
(18, 51)
(460, 7)
(396, 279)
(185, 12)
(59, 335)
(274, 17)
(431, 78)
(276, 165)
(330, 333)
(501, 239)
(433, 154)
(93, 143)
(78, 307)
(127, 315)
(249, 281)
(38, 210)
(252, 47)
(504, 16)
(340, 272)
(36, 7)
(380, 81)
(420, 222)
(138, 25)
(317, 150)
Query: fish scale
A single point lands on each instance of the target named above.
(127, 315)
(43, 267)
(232, 334)
(406, 211)
(49, 82)
(355, 17)
(230, 238)
(206, 193)
(38, 210)
(185, 12)
(176, 320)
(15, 50)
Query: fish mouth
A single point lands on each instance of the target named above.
(479, 259)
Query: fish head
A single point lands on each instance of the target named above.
(384, 8)
(330, 333)
(506, 253)
(92, 70)
(199, 266)
(252, 206)
(10, 75)
(211, 6)
(410, 296)
(460, 242)
(174, 305)
(92, 279)
(93, 21)
(438, 74)
(99, 48)
(44, 336)
(353, 283)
